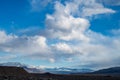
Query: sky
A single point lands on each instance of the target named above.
(60, 33)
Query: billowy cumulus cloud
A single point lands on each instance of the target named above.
(76, 42)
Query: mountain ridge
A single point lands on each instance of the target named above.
(111, 70)
(26, 67)
(13, 71)
(18, 73)
(61, 70)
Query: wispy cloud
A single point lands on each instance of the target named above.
(110, 2)
(115, 32)
(38, 5)
(3, 58)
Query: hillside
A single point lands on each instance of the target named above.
(24, 66)
(110, 71)
(17, 73)
(12, 71)
(60, 70)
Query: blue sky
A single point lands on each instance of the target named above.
(60, 33)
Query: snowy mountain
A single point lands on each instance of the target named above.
(61, 70)
(28, 68)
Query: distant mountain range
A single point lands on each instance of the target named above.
(26, 67)
(62, 70)
(19, 73)
(113, 70)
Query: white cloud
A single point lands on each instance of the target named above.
(4, 38)
(85, 8)
(62, 48)
(110, 2)
(115, 31)
(2, 58)
(93, 8)
(33, 29)
(95, 11)
(101, 50)
(62, 25)
(52, 60)
(75, 39)
(65, 26)
(38, 5)
(34, 45)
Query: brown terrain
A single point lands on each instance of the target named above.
(17, 73)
